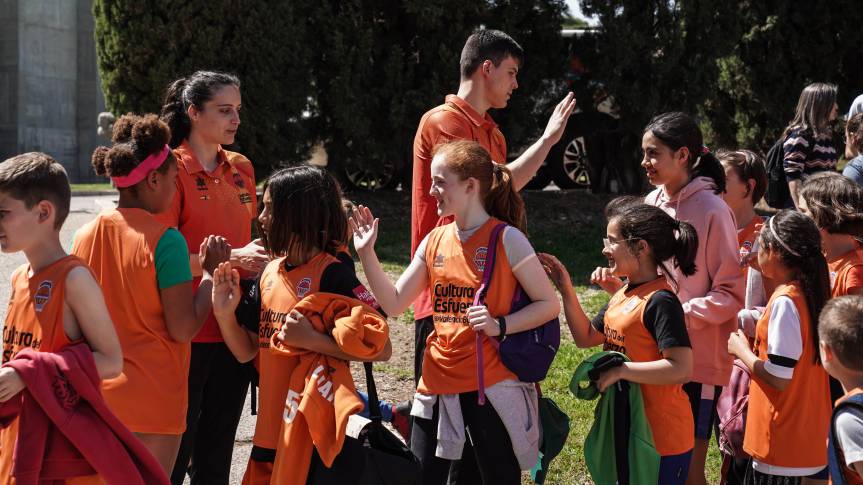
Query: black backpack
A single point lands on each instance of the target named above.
(778, 195)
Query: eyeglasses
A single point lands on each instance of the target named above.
(607, 243)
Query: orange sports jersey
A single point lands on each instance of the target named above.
(150, 395)
(321, 394)
(222, 202)
(789, 428)
(456, 119)
(850, 474)
(846, 272)
(34, 320)
(666, 406)
(455, 271)
(281, 289)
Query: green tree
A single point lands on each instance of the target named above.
(144, 45)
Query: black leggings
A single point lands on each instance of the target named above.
(488, 457)
(217, 390)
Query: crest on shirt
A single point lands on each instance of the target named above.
(438, 261)
(303, 287)
(630, 305)
(238, 181)
(745, 249)
(42, 295)
(200, 183)
(479, 258)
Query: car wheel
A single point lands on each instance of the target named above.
(371, 177)
(569, 164)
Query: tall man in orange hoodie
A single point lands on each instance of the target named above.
(489, 65)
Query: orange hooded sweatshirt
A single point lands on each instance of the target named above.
(321, 393)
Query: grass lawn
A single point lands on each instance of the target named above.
(569, 225)
(76, 188)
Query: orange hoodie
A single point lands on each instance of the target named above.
(321, 394)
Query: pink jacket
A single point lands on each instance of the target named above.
(712, 296)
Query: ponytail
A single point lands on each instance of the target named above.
(194, 90)
(707, 165)
(667, 237)
(503, 201)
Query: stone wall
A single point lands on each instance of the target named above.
(53, 98)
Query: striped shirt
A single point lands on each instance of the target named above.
(806, 154)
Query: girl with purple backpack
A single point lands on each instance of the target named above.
(450, 264)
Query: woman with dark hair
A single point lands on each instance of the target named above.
(215, 195)
(809, 147)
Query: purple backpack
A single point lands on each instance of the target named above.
(527, 354)
(731, 408)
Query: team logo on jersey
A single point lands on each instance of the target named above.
(43, 294)
(303, 287)
(438, 261)
(630, 305)
(479, 258)
(745, 250)
(200, 183)
(238, 181)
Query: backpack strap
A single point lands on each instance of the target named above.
(835, 457)
(479, 299)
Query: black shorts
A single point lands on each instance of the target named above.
(702, 400)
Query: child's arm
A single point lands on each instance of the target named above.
(393, 299)
(738, 345)
(93, 322)
(298, 330)
(226, 298)
(184, 312)
(579, 325)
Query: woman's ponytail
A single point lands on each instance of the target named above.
(686, 248)
(502, 200)
(174, 112)
(707, 165)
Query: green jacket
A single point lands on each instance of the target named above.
(619, 428)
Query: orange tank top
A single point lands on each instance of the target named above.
(789, 428)
(281, 289)
(455, 270)
(34, 320)
(666, 406)
(150, 395)
(840, 270)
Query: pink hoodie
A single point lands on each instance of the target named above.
(712, 296)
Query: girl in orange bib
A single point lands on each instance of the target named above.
(644, 320)
(305, 230)
(143, 267)
(789, 397)
(449, 264)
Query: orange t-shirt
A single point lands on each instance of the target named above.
(846, 272)
(34, 320)
(453, 120)
(222, 202)
(789, 428)
(150, 395)
(455, 271)
(666, 406)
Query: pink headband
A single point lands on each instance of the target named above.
(140, 172)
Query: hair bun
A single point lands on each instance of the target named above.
(150, 134)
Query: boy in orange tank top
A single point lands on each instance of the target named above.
(789, 397)
(449, 265)
(841, 340)
(55, 299)
(644, 320)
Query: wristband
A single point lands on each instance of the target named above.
(501, 323)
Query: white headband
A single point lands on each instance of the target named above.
(779, 240)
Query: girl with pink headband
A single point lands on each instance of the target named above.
(143, 267)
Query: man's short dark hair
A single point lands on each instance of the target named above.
(33, 177)
(492, 45)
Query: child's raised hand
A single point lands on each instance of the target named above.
(213, 250)
(603, 278)
(364, 227)
(556, 271)
(226, 289)
(10, 383)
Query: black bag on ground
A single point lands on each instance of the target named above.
(778, 195)
(377, 456)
